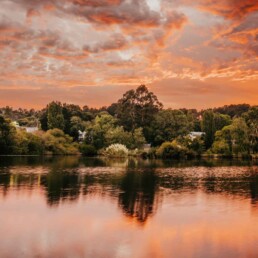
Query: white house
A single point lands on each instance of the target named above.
(194, 135)
(82, 135)
(30, 129)
(25, 128)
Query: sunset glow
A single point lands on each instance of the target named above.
(193, 54)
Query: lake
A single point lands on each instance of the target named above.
(131, 208)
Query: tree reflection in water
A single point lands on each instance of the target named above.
(61, 186)
(137, 195)
(137, 185)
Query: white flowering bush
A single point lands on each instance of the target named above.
(116, 150)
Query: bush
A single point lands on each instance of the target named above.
(58, 143)
(87, 150)
(221, 147)
(28, 144)
(172, 150)
(116, 150)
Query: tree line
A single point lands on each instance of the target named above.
(134, 120)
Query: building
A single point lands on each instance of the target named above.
(30, 129)
(82, 135)
(194, 135)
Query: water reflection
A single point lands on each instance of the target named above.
(138, 193)
(127, 208)
(137, 185)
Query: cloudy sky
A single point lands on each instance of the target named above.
(193, 54)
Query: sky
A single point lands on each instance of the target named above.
(192, 54)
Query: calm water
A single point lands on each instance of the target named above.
(74, 207)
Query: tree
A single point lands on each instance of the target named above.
(70, 110)
(232, 139)
(223, 142)
(7, 133)
(76, 125)
(192, 118)
(55, 116)
(221, 120)
(137, 108)
(167, 125)
(58, 143)
(233, 110)
(97, 130)
(118, 135)
(239, 136)
(44, 120)
(251, 118)
(138, 138)
(28, 144)
(208, 127)
(195, 145)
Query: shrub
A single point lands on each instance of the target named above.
(221, 147)
(116, 150)
(194, 147)
(58, 143)
(28, 144)
(172, 150)
(87, 150)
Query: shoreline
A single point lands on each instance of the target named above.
(202, 156)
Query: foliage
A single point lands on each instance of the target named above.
(167, 125)
(23, 116)
(208, 126)
(76, 124)
(232, 139)
(169, 150)
(7, 133)
(137, 139)
(251, 118)
(195, 146)
(104, 131)
(116, 150)
(221, 120)
(233, 110)
(97, 130)
(43, 120)
(192, 119)
(55, 116)
(58, 143)
(137, 108)
(137, 118)
(87, 150)
(239, 136)
(28, 144)
(117, 135)
(222, 144)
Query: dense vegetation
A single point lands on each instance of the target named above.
(134, 120)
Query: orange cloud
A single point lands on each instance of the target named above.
(198, 45)
(230, 9)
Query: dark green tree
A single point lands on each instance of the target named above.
(137, 108)
(232, 139)
(208, 127)
(55, 115)
(7, 133)
(43, 120)
(167, 125)
(251, 118)
(221, 120)
(233, 110)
